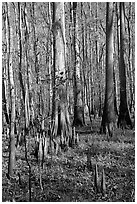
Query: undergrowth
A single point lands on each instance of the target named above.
(65, 177)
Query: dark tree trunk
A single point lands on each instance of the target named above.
(4, 101)
(124, 117)
(78, 114)
(20, 51)
(108, 112)
(115, 96)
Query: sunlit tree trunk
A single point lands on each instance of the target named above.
(9, 33)
(53, 71)
(78, 109)
(130, 71)
(4, 75)
(61, 123)
(74, 68)
(133, 53)
(117, 42)
(83, 66)
(124, 117)
(36, 60)
(108, 112)
(70, 60)
(26, 62)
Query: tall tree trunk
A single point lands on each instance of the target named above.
(9, 33)
(61, 123)
(115, 93)
(49, 61)
(118, 41)
(108, 112)
(53, 71)
(70, 60)
(4, 77)
(74, 69)
(115, 82)
(27, 73)
(131, 82)
(124, 117)
(117, 19)
(35, 54)
(78, 113)
(83, 67)
(133, 53)
(20, 50)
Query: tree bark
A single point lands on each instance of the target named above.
(129, 71)
(108, 112)
(115, 93)
(78, 112)
(20, 51)
(61, 123)
(11, 164)
(124, 117)
(4, 77)
(4, 101)
(53, 71)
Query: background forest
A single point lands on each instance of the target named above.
(68, 101)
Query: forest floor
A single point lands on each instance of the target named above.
(65, 178)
